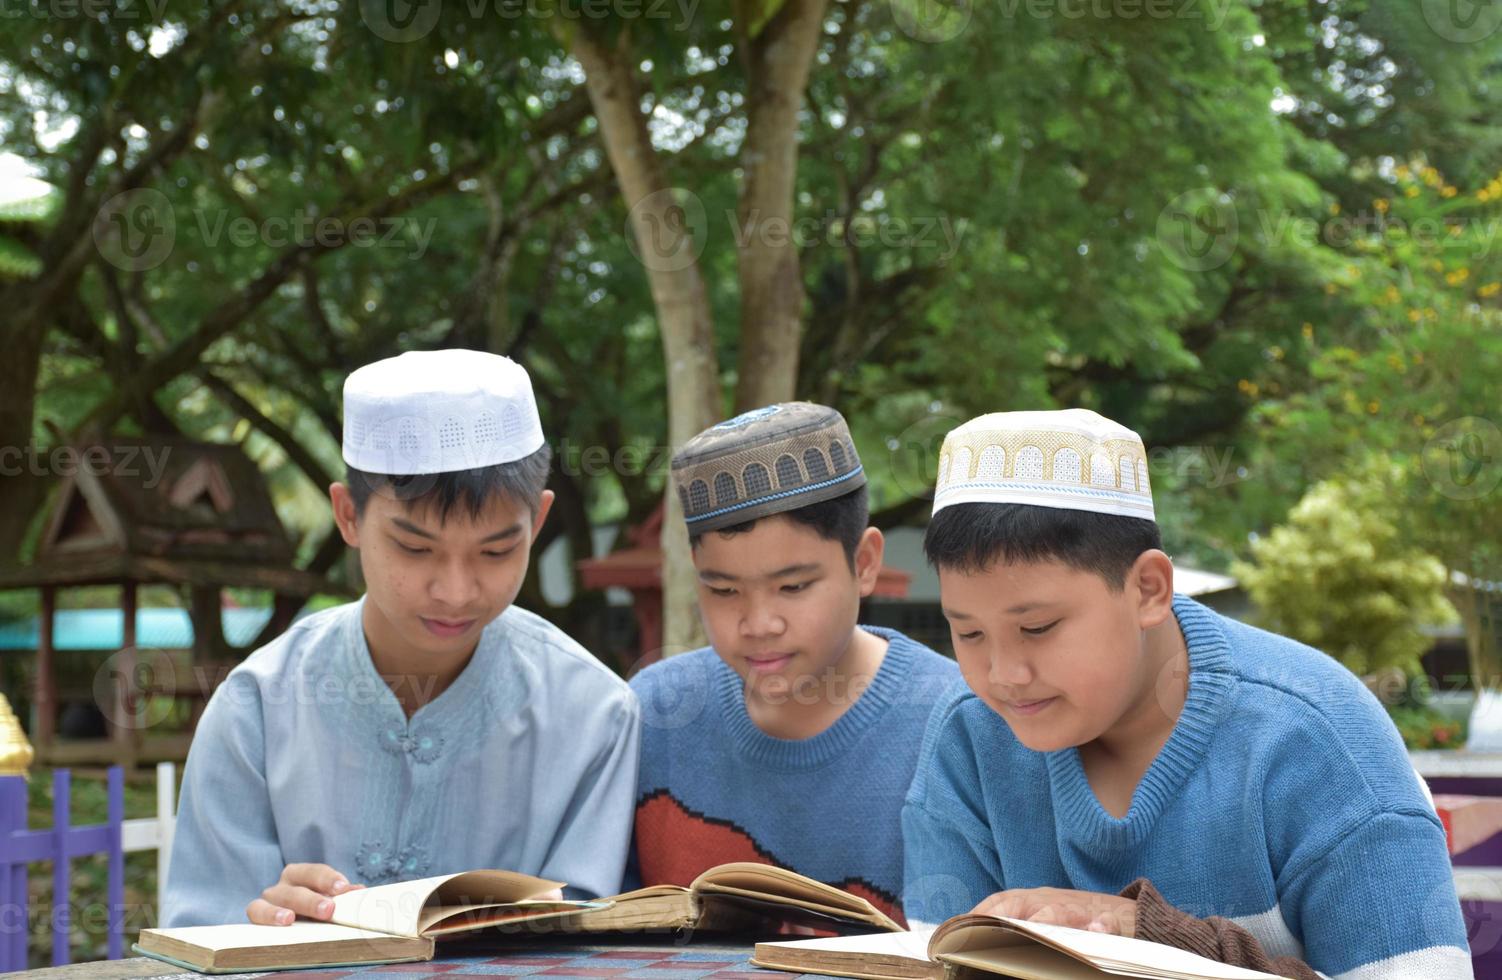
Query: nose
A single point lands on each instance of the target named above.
(1008, 671)
(761, 619)
(454, 585)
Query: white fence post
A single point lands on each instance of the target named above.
(155, 833)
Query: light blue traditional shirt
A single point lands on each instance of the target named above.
(527, 762)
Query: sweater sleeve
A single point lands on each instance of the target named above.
(950, 861)
(1214, 938)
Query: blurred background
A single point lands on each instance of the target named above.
(1263, 234)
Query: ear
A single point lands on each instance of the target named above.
(345, 517)
(1151, 580)
(544, 504)
(868, 554)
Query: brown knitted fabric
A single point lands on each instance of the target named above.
(1214, 938)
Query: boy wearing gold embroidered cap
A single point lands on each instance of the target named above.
(791, 739)
(431, 726)
(1124, 759)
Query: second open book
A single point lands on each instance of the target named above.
(981, 947)
(399, 922)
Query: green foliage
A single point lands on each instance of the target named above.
(1425, 728)
(23, 200)
(1340, 576)
(981, 220)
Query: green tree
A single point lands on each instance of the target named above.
(1340, 576)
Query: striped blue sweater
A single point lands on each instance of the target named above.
(713, 788)
(1283, 800)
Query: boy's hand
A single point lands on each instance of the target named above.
(1064, 907)
(304, 889)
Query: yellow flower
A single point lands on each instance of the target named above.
(1381, 205)
(1373, 407)
(1458, 276)
(1308, 331)
(1402, 171)
(1335, 208)
(1276, 352)
(1392, 295)
(1414, 316)
(1447, 191)
(1484, 195)
(1412, 190)
(1490, 289)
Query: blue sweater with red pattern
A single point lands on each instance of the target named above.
(713, 788)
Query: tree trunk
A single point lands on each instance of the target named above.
(778, 59)
(21, 489)
(678, 294)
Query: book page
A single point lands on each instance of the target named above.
(246, 935)
(399, 908)
(1122, 955)
(746, 876)
(907, 945)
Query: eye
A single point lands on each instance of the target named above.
(796, 587)
(498, 554)
(722, 593)
(970, 637)
(1039, 630)
(410, 550)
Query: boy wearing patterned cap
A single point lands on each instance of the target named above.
(431, 726)
(1125, 759)
(792, 738)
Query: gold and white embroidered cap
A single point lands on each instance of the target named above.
(1073, 459)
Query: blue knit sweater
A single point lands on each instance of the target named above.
(1283, 800)
(714, 788)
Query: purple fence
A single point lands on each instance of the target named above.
(59, 844)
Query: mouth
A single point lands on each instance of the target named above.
(447, 627)
(1026, 708)
(768, 663)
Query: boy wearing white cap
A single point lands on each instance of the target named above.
(1125, 759)
(431, 726)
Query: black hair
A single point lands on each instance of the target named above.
(520, 481)
(971, 537)
(843, 519)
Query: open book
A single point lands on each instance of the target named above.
(744, 895)
(977, 947)
(394, 923)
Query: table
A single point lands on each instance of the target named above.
(560, 960)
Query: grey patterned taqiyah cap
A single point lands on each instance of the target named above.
(764, 462)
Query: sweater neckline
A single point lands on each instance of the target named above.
(888, 684)
(1210, 681)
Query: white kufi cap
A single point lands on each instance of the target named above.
(439, 411)
(1072, 459)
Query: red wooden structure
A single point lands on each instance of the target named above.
(638, 569)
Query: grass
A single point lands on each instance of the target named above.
(88, 876)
